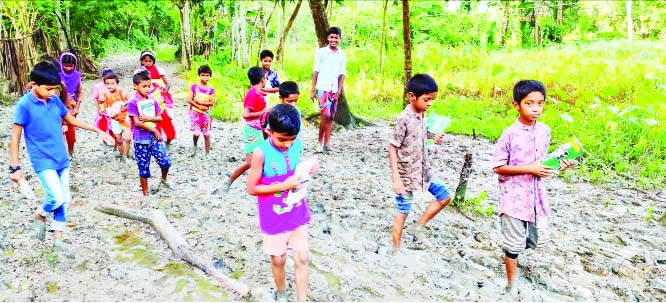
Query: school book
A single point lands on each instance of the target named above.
(303, 170)
(570, 151)
(147, 108)
(436, 124)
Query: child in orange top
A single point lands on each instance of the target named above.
(115, 104)
(201, 100)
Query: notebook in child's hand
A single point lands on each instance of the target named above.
(147, 108)
(303, 170)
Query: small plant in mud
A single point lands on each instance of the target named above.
(476, 205)
(650, 212)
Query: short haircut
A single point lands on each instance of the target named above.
(334, 30)
(141, 76)
(111, 76)
(255, 74)
(45, 73)
(147, 53)
(287, 88)
(265, 53)
(525, 87)
(106, 71)
(204, 69)
(284, 119)
(421, 84)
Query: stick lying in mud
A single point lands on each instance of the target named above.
(176, 242)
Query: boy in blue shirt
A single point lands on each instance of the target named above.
(38, 116)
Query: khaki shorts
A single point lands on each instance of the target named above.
(276, 245)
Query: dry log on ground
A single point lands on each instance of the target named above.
(176, 242)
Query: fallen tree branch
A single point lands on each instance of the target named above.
(176, 242)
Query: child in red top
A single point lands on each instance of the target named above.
(254, 106)
(201, 100)
(161, 94)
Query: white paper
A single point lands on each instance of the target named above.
(303, 170)
(26, 189)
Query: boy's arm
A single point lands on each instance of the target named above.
(249, 114)
(80, 124)
(397, 186)
(15, 141)
(253, 177)
(313, 90)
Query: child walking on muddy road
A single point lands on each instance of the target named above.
(38, 117)
(408, 158)
(201, 99)
(160, 92)
(71, 77)
(523, 206)
(115, 104)
(253, 107)
(144, 112)
(271, 178)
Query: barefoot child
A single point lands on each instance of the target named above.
(38, 116)
(144, 112)
(254, 106)
(71, 76)
(160, 92)
(272, 83)
(101, 120)
(115, 102)
(271, 177)
(408, 158)
(523, 207)
(201, 100)
(329, 74)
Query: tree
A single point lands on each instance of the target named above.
(406, 34)
(630, 22)
(382, 43)
(184, 10)
(287, 28)
(344, 115)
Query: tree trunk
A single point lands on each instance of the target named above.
(560, 9)
(537, 36)
(234, 37)
(176, 242)
(406, 34)
(185, 34)
(505, 22)
(320, 21)
(630, 22)
(465, 172)
(383, 42)
(62, 39)
(287, 28)
(244, 51)
(329, 9)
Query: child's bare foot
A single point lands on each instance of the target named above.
(417, 232)
(40, 227)
(65, 248)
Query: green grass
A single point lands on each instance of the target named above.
(608, 94)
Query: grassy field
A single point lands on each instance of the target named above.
(608, 94)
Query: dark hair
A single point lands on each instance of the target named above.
(111, 75)
(525, 87)
(255, 74)
(284, 119)
(265, 53)
(334, 30)
(205, 69)
(45, 73)
(106, 71)
(287, 88)
(421, 84)
(141, 76)
(68, 59)
(147, 53)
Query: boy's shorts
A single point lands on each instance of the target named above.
(251, 138)
(403, 203)
(328, 106)
(276, 245)
(199, 123)
(517, 235)
(142, 153)
(116, 128)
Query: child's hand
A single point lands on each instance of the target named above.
(565, 164)
(398, 187)
(538, 169)
(106, 138)
(143, 118)
(291, 183)
(314, 169)
(16, 176)
(438, 138)
(157, 134)
(313, 94)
